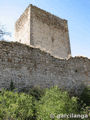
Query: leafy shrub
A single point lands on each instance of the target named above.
(56, 102)
(36, 92)
(15, 106)
(85, 96)
(84, 102)
(39, 104)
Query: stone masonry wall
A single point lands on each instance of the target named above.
(22, 28)
(28, 67)
(49, 33)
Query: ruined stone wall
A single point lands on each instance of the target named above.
(49, 33)
(22, 28)
(28, 67)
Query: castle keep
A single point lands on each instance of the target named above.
(35, 64)
(40, 29)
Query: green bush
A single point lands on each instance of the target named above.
(85, 96)
(56, 102)
(36, 92)
(15, 106)
(38, 104)
(84, 102)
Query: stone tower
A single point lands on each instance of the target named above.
(40, 29)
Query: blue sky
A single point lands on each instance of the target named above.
(77, 12)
